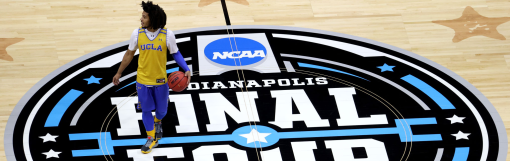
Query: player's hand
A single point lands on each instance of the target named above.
(116, 79)
(188, 74)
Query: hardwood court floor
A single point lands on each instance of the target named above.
(46, 34)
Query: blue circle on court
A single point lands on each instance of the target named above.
(255, 136)
(246, 51)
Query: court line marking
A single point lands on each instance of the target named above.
(439, 154)
(430, 91)
(248, 95)
(306, 65)
(61, 107)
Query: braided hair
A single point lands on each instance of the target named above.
(157, 17)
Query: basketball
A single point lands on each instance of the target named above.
(177, 81)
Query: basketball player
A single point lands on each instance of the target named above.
(153, 40)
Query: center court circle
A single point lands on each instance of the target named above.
(337, 97)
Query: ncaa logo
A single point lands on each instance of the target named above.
(303, 95)
(222, 53)
(246, 51)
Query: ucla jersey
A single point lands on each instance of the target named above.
(152, 60)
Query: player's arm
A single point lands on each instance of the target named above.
(180, 60)
(128, 56)
(182, 63)
(176, 54)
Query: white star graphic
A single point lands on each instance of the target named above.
(48, 137)
(461, 135)
(456, 119)
(254, 135)
(51, 153)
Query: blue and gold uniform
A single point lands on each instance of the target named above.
(152, 60)
(152, 78)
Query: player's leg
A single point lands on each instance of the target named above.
(161, 101)
(146, 102)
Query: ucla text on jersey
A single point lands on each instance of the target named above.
(150, 47)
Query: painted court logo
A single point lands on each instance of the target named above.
(247, 51)
(272, 94)
(222, 53)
